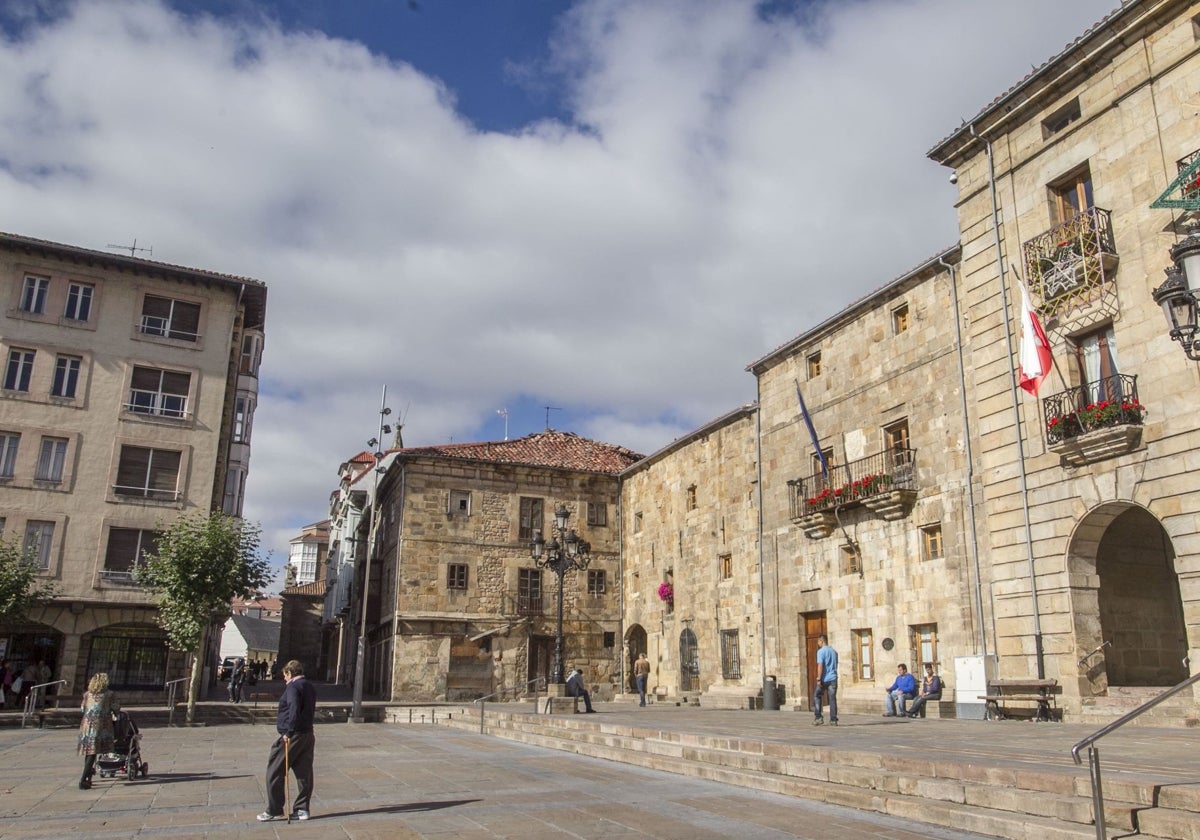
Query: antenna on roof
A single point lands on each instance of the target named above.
(132, 249)
(550, 408)
(503, 412)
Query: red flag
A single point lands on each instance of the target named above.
(1035, 349)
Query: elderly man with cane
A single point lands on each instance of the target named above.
(293, 749)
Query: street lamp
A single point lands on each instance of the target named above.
(1178, 294)
(560, 558)
(375, 443)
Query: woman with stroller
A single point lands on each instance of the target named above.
(96, 729)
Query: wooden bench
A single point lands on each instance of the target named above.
(269, 696)
(1001, 693)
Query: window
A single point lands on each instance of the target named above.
(529, 591)
(39, 539)
(163, 393)
(531, 518)
(66, 377)
(9, 442)
(924, 646)
(864, 667)
(243, 415)
(33, 296)
(850, 560)
(900, 319)
(691, 497)
(597, 514)
(235, 491)
(726, 563)
(1096, 363)
(456, 576)
(127, 548)
(149, 473)
(1060, 119)
(931, 542)
(251, 354)
(19, 370)
(610, 639)
(132, 662)
(460, 503)
(79, 301)
(814, 365)
(822, 481)
(51, 459)
(168, 318)
(895, 436)
(731, 660)
(596, 581)
(637, 523)
(1071, 196)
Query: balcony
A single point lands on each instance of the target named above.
(1092, 422)
(885, 483)
(1073, 263)
(529, 605)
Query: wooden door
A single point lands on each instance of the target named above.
(814, 627)
(541, 653)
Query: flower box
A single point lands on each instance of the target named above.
(1098, 445)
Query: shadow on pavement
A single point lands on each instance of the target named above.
(170, 778)
(397, 809)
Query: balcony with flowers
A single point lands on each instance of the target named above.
(1072, 263)
(884, 483)
(1092, 422)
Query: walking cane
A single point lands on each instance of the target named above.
(287, 788)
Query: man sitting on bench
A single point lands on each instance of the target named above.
(575, 689)
(902, 689)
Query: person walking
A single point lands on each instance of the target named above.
(826, 687)
(29, 678)
(6, 679)
(294, 747)
(902, 689)
(641, 675)
(236, 678)
(96, 728)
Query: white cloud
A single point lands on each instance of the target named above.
(728, 181)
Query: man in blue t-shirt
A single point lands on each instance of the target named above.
(827, 660)
(902, 689)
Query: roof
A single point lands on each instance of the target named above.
(259, 633)
(253, 292)
(1055, 68)
(271, 603)
(551, 448)
(316, 589)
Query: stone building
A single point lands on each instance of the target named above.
(1090, 508)
(456, 606)
(307, 553)
(300, 628)
(128, 396)
(689, 576)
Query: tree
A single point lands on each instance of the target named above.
(20, 589)
(200, 563)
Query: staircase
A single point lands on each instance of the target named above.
(1177, 711)
(995, 793)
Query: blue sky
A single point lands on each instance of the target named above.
(606, 206)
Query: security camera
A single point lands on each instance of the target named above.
(953, 177)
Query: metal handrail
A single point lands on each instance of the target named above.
(1094, 754)
(31, 699)
(482, 701)
(170, 688)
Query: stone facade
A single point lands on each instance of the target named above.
(461, 610)
(141, 382)
(1091, 540)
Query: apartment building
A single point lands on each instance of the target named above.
(128, 399)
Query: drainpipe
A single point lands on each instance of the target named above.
(762, 586)
(622, 644)
(1016, 406)
(962, 393)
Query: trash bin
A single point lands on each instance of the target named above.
(770, 695)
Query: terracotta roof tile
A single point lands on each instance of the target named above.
(315, 588)
(550, 448)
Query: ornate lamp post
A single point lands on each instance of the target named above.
(1178, 294)
(560, 558)
(376, 444)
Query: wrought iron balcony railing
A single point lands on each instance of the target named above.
(529, 605)
(1070, 264)
(853, 483)
(1112, 401)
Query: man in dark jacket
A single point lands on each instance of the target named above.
(575, 689)
(294, 723)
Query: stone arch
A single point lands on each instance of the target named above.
(1126, 603)
(636, 642)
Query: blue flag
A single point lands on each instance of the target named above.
(812, 432)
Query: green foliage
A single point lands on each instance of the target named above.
(20, 589)
(202, 562)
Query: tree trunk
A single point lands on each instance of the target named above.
(198, 658)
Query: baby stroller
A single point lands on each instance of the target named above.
(126, 755)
